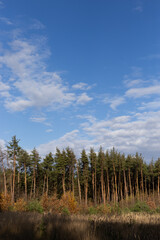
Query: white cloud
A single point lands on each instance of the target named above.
(49, 130)
(153, 105)
(142, 92)
(38, 119)
(81, 86)
(6, 20)
(138, 9)
(2, 143)
(37, 25)
(129, 134)
(34, 85)
(17, 105)
(90, 118)
(1, 4)
(134, 82)
(67, 140)
(4, 86)
(151, 57)
(83, 98)
(114, 102)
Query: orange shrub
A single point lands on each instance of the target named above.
(104, 209)
(20, 205)
(151, 204)
(56, 204)
(5, 202)
(68, 201)
(45, 202)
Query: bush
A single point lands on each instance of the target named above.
(66, 211)
(157, 210)
(104, 209)
(141, 207)
(20, 205)
(92, 210)
(5, 202)
(34, 206)
(116, 209)
(68, 201)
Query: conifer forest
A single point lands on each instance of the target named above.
(103, 177)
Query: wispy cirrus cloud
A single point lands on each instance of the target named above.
(138, 9)
(37, 25)
(6, 20)
(2, 4)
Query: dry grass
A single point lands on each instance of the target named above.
(28, 226)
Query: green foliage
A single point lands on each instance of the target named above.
(140, 207)
(92, 210)
(116, 209)
(66, 211)
(34, 206)
(157, 210)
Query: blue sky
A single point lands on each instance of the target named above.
(81, 73)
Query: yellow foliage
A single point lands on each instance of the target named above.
(5, 202)
(20, 205)
(68, 200)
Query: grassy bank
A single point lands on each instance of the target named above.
(28, 226)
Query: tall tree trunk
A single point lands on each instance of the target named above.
(158, 186)
(31, 188)
(44, 184)
(47, 186)
(63, 183)
(72, 181)
(130, 185)
(14, 173)
(86, 193)
(95, 183)
(145, 186)
(125, 185)
(4, 178)
(108, 187)
(113, 189)
(18, 184)
(142, 188)
(102, 185)
(137, 186)
(11, 184)
(120, 186)
(79, 186)
(115, 183)
(34, 183)
(153, 186)
(93, 186)
(25, 181)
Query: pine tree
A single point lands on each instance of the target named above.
(47, 166)
(24, 161)
(35, 159)
(2, 157)
(101, 160)
(85, 174)
(13, 150)
(93, 162)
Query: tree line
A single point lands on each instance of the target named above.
(100, 177)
